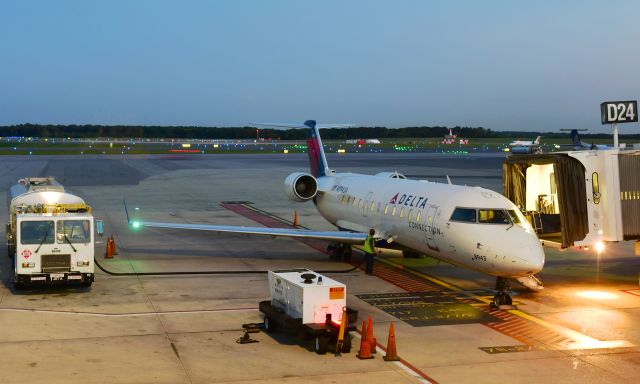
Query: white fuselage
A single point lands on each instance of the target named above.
(418, 215)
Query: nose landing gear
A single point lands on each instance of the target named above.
(502, 297)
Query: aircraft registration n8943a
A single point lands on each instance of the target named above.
(470, 227)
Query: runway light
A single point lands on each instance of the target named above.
(599, 246)
(597, 295)
(135, 224)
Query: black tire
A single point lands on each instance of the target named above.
(18, 285)
(507, 299)
(321, 344)
(86, 284)
(346, 343)
(269, 324)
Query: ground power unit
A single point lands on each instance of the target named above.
(303, 300)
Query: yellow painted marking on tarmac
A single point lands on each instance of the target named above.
(581, 341)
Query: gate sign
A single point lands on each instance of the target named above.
(613, 112)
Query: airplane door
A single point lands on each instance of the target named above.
(367, 204)
(432, 231)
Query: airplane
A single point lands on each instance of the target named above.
(525, 147)
(470, 227)
(577, 144)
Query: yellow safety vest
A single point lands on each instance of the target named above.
(368, 245)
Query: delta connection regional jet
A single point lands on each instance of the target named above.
(470, 227)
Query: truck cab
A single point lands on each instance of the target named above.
(54, 248)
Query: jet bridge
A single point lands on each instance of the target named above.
(577, 198)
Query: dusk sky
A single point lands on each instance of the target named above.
(504, 65)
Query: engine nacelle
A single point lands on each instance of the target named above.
(300, 186)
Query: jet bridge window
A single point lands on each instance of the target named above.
(467, 215)
(36, 232)
(74, 231)
(493, 216)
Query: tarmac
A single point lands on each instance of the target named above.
(183, 329)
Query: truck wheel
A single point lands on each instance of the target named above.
(86, 284)
(269, 324)
(321, 344)
(346, 343)
(18, 285)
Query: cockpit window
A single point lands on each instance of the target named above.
(515, 219)
(494, 216)
(467, 215)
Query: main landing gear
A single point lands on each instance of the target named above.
(502, 297)
(339, 251)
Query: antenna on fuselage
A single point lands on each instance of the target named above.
(449, 180)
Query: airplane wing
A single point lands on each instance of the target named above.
(338, 236)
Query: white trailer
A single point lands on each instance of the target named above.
(578, 198)
(308, 303)
(50, 234)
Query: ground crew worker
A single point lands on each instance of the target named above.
(369, 250)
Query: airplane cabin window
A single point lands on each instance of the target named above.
(373, 205)
(410, 215)
(467, 215)
(418, 216)
(354, 201)
(342, 200)
(393, 211)
(401, 212)
(493, 216)
(386, 209)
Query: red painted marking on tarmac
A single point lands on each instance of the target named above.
(635, 292)
(513, 326)
(272, 222)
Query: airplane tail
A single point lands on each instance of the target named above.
(537, 140)
(575, 138)
(317, 159)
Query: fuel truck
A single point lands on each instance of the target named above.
(50, 234)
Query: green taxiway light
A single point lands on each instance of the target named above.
(135, 224)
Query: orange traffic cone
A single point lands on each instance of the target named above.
(372, 340)
(365, 346)
(295, 218)
(392, 353)
(113, 246)
(108, 253)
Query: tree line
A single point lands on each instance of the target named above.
(194, 132)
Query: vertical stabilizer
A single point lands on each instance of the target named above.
(575, 138)
(317, 159)
(537, 140)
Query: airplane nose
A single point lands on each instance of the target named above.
(535, 258)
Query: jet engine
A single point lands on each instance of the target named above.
(300, 186)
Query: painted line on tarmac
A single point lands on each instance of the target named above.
(403, 364)
(127, 314)
(578, 340)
